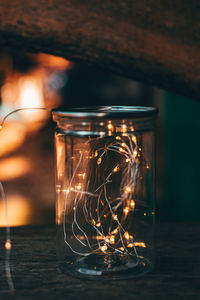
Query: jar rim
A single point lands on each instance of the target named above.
(107, 112)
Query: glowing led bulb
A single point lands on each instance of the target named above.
(134, 138)
(99, 161)
(82, 175)
(115, 217)
(127, 189)
(140, 244)
(135, 153)
(118, 137)
(110, 126)
(130, 245)
(126, 235)
(103, 248)
(126, 210)
(127, 159)
(115, 231)
(78, 186)
(132, 204)
(93, 222)
(116, 169)
(98, 224)
(8, 245)
(95, 153)
(121, 248)
(112, 239)
(124, 128)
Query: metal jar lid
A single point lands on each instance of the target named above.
(116, 112)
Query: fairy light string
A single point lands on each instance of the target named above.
(94, 209)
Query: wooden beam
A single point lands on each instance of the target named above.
(153, 41)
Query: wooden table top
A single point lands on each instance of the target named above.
(37, 276)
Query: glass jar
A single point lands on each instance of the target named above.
(105, 191)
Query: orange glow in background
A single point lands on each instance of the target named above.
(19, 209)
(14, 167)
(25, 90)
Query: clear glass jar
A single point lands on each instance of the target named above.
(105, 191)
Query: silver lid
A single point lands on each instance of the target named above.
(107, 112)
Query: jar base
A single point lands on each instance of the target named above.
(96, 267)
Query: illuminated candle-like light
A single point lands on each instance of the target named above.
(140, 244)
(127, 189)
(99, 161)
(132, 204)
(115, 217)
(116, 169)
(103, 248)
(134, 138)
(126, 235)
(135, 153)
(115, 231)
(78, 186)
(82, 175)
(126, 210)
(8, 245)
(112, 239)
(124, 128)
(110, 126)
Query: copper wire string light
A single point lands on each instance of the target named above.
(112, 212)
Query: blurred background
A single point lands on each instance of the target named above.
(27, 145)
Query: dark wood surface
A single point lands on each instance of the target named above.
(37, 276)
(149, 40)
